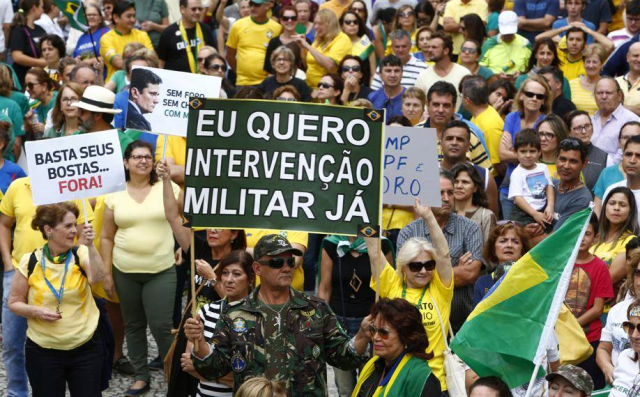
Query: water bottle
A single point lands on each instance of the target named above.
(34, 120)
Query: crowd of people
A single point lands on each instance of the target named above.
(536, 108)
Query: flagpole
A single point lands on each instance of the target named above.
(378, 261)
(95, 52)
(194, 306)
(533, 379)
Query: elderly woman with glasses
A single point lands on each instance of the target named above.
(424, 278)
(581, 127)
(626, 380)
(283, 63)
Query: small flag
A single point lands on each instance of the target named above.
(367, 230)
(74, 11)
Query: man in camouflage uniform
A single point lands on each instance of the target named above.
(277, 332)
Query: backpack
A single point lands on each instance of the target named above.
(33, 261)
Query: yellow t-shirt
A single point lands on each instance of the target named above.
(176, 148)
(583, 99)
(144, 241)
(339, 47)
(571, 70)
(302, 238)
(396, 218)
(337, 8)
(250, 40)
(456, 9)
(617, 21)
(608, 252)
(631, 91)
(492, 125)
(18, 204)
(79, 312)
(391, 287)
(113, 42)
(98, 222)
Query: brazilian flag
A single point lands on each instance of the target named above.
(74, 11)
(506, 334)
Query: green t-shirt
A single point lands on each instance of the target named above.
(21, 100)
(124, 139)
(11, 110)
(120, 78)
(154, 11)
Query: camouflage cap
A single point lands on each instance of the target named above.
(577, 376)
(273, 244)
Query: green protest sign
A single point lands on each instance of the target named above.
(283, 165)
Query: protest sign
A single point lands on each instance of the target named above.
(283, 165)
(411, 167)
(159, 99)
(75, 167)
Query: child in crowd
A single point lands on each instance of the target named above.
(531, 188)
(590, 286)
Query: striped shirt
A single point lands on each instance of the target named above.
(462, 236)
(410, 72)
(209, 314)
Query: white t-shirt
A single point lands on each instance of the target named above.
(636, 193)
(429, 77)
(625, 376)
(531, 185)
(6, 16)
(613, 332)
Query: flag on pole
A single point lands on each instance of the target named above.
(74, 11)
(506, 334)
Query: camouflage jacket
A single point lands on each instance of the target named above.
(313, 338)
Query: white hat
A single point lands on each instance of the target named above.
(508, 22)
(97, 99)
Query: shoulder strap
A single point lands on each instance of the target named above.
(33, 261)
(444, 333)
(76, 260)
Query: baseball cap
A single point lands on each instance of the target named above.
(273, 244)
(577, 376)
(508, 22)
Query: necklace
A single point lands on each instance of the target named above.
(570, 188)
(278, 321)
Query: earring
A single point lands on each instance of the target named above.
(232, 241)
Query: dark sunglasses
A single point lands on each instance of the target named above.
(194, 9)
(530, 94)
(278, 263)
(199, 59)
(417, 266)
(383, 332)
(406, 14)
(469, 50)
(281, 98)
(289, 19)
(355, 68)
(508, 222)
(350, 21)
(324, 85)
(31, 85)
(217, 67)
(629, 327)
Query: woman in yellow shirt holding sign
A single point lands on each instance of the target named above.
(424, 277)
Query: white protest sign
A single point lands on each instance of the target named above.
(159, 99)
(75, 167)
(411, 166)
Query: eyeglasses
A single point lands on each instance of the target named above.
(199, 59)
(582, 128)
(277, 60)
(530, 94)
(350, 21)
(278, 263)
(289, 19)
(406, 14)
(217, 67)
(31, 85)
(417, 266)
(194, 9)
(383, 332)
(469, 50)
(145, 157)
(355, 68)
(324, 85)
(509, 222)
(546, 135)
(69, 100)
(629, 327)
(282, 98)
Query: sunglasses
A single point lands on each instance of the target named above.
(289, 19)
(530, 94)
(281, 98)
(628, 327)
(406, 14)
(324, 85)
(469, 50)
(417, 266)
(508, 222)
(355, 68)
(31, 85)
(218, 67)
(194, 9)
(350, 21)
(278, 263)
(383, 332)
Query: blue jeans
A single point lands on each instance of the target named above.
(14, 336)
(346, 380)
(506, 204)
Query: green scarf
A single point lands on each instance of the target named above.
(57, 259)
(344, 246)
(408, 379)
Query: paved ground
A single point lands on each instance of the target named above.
(120, 384)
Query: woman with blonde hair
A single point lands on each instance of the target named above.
(65, 116)
(405, 19)
(261, 387)
(327, 50)
(583, 87)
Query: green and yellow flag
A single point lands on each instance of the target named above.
(74, 11)
(506, 334)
